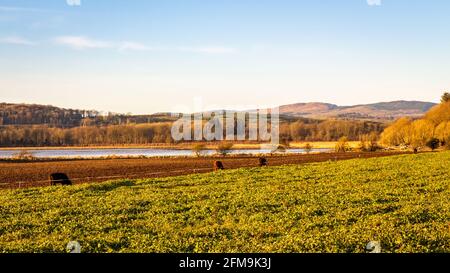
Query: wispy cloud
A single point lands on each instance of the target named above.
(4, 8)
(14, 40)
(209, 49)
(134, 46)
(80, 42)
(23, 9)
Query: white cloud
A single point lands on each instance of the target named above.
(80, 42)
(14, 40)
(209, 49)
(5, 8)
(22, 9)
(374, 2)
(133, 46)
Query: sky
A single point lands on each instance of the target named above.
(163, 55)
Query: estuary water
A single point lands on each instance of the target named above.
(142, 152)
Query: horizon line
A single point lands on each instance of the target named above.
(213, 110)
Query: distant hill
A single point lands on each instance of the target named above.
(376, 111)
(33, 114)
(304, 109)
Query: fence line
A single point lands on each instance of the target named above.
(20, 183)
(114, 176)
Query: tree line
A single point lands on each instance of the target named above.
(34, 114)
(42, 135)
(329, 130)
(160, 132)
(433, 130)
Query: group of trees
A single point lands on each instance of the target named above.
(33, 114)
(160, 132)
(329, 130)
(41, 135)
(433, 130)
(40, 125)
(23, 114)
(35, 125)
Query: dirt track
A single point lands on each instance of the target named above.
(15, 175)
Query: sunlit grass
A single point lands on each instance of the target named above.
(401, 201)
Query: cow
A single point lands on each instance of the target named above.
(262, 162)
(218, 165)
(59, 178)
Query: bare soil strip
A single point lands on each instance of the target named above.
(35, 174)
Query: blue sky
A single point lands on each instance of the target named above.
(158, 55)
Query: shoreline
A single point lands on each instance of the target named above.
(182, 146)
(143, 157)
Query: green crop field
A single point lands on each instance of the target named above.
(401, 201)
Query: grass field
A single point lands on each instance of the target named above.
(401, 201)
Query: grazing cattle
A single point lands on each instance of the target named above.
(218, 165)
(262, 162)
(59, 178)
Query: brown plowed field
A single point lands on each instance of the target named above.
(32, 174)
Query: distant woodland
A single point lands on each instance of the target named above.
(38, 125)
(432, 130)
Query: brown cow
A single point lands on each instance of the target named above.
(59, 178)
(218, 165)
(262, 162)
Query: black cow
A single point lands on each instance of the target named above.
(262, 161)
(59, 178)
(218, 165)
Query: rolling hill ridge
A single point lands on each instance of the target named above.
(376, 111)
(32, 114)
